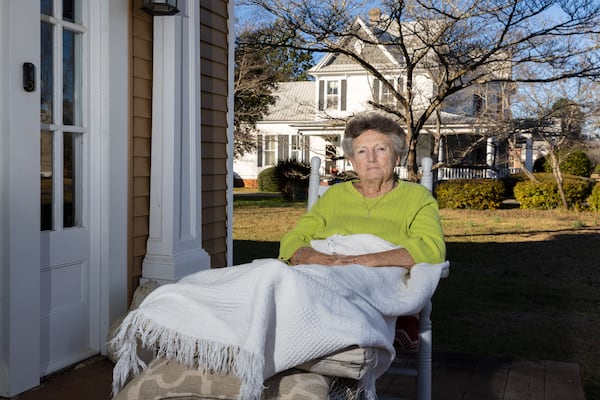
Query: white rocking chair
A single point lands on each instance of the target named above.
(422, 371)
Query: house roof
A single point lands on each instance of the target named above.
(295, 102)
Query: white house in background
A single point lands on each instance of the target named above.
(308, 117)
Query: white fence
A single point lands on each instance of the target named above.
(448, 173)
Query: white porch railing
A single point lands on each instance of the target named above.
(448, 173)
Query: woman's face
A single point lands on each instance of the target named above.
(373, 156)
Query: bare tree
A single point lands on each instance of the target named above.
(254, 84)
(463, 44)
(258, 69)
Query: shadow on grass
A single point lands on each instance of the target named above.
(536, 300)
(245, 251)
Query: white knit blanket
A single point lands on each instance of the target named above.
(258, 319)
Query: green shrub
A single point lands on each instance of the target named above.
(537, 195)
(544, 193)
(594, 199)
(479, 194)
(577, 163)
(292, 179)
(266, 180)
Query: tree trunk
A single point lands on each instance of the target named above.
(556, 172)
(411, 162)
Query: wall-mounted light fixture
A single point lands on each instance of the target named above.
(160, 7)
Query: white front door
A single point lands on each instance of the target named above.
(67, 302)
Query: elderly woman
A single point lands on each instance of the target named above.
(400, 212)
(263, 318)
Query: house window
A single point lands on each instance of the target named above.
(295, 148)
(270, 150)
(478, 105)
(383, 94)
(387, 94)
(332, 95)
(273, 148)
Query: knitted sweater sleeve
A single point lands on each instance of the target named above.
(407, 216)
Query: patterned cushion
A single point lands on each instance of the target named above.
(165, 379)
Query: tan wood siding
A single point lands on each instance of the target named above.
(139, 140)
(213, 52)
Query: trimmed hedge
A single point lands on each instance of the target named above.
(594, 199)
(266, 180)
(478, 194)
(544, 193)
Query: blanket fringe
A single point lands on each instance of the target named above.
(206, 355)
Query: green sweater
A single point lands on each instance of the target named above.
(407, 216)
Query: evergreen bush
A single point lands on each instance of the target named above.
(266, 180)
(594, 199)
(478, 194)
(577, 163)
(292, 179)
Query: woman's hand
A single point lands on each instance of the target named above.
(308, 255)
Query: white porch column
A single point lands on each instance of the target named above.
(174, 247)
(441, 157)
(490, 155)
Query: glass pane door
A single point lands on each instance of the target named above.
(62, 130)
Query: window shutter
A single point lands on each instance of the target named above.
(321, 95)
(343, 98)
(306, 149)
(400, 85)
(259, 151)
(376, 91)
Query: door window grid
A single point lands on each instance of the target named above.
(61, 118)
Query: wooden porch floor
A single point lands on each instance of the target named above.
(455, 376)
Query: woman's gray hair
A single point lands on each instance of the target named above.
(376, 121)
